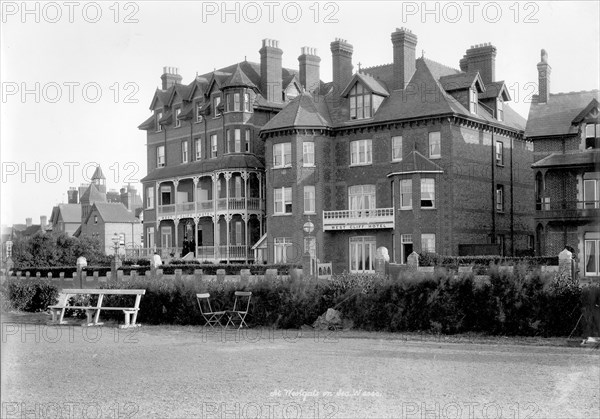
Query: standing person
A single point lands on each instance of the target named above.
(186, 246)
(156, 261)
(193, 246)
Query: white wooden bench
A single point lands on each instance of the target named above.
(93, 311)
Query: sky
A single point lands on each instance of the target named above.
(77, 77)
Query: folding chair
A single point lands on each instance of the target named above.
(238, 315)
(212, 317)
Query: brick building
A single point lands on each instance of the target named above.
(565, 131)
(412, 155)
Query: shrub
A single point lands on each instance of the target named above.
(30, 294)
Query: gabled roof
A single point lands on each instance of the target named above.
(231, 161)
(166, 119)
(301, 112)
(415, 162)
(69, 213)
(239, 79)
(112, 213)
(92, 194)
(369, 82)
(217, 78)
(462, 81)
(557, 116)
(160, 96)
(286, 81)
(579, 159)
(591, 108)
(98, 174)
(148, 123)
(495, 89)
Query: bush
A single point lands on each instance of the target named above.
(453, 262)
(30, 294)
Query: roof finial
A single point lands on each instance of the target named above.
(359, 64)
(422, 53)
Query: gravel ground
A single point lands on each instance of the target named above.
(181, 372)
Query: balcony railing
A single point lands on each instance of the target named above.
(374, 218)
(568, 209)
(223, 204)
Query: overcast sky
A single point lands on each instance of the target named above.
(90, 69)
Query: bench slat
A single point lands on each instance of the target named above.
(104, 291)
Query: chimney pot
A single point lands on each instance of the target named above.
(341, 54)
(544, 72)
(309, 66)
(482, 58)
(404, 45)
(270, 70)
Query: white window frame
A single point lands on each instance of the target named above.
(177, 120)
(361, 254)
(499, 198)
(166, 232)
(282, 155)
(473, 99)
(213, 146)
(158, 124)
(361, 152)
(594, 134)
(282, 200)
(280, 248)
(198, 145)
(184, 151)
(499, 153)
(406, 190)
(425, 186)
(591, 185)
(428, 238)
(199, 116)
(499, 109)
(237, 140)
(160, 156)
(216, 100)
(150, 197)
(435, 137)
(239, 236)
(309, 199)
(591, 247)
(308, 154)
(397, 148)
(247, 102)
(360, 102)
(150, 243)
(247, 145)
(362, 197)
(236, 102)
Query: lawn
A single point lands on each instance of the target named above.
(180, 372)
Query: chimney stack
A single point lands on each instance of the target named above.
(482, 58)
(544, 71)
(28, 222)
(404, 43)
(170, 77)
(341, 54)
(270, 70)
(43, 222)
(72, 196)
(310, 76)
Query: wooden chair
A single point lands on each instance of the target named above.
(212, 317)
(238, 315)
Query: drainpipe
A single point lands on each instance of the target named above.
(493, 238)
(512, 193)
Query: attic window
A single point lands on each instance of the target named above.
(473, 100)
(592, 136)
(198, 112)
(95, 219)
(360, 102)
(499, 109)
(158, 118)
(216, 103)
(177, 120)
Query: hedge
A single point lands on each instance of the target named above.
(211, 268)
(453, 262)
(521, 303)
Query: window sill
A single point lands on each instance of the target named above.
(428, 208)
(361, 164)
(282, 214)
(309, 165)
(282, 167)
(309, 213)
(435, 157)
(499, 164)
(406, 208)
(396, 160)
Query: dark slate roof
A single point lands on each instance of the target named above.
(231, 161)
(98, 174)
(148, 123)
(92, 194)
(187, 111)
(70, 213)
(462, 81)
(415, 162)
(367, 81)
(557, 116)
(300, 112)
(582, 158)
(239, 79)
(113, 213)
(167, 118)
(287, 80)
(495, 89)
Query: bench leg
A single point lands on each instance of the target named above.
(130, 319)
(62, 315)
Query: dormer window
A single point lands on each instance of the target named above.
(177, 120)
(158, 118)
(360, 102)
(473, 100)
(216, 103)
(499, 109)
(198, 112)
(592, 136)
